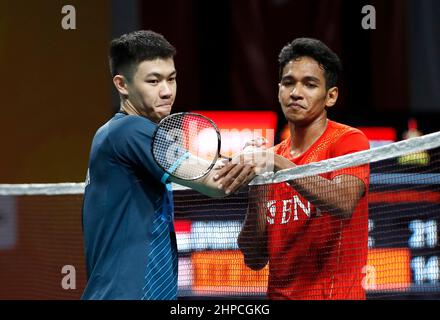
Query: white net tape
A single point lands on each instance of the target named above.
(426, 142)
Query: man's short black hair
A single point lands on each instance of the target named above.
(130, 49)
(316, 49)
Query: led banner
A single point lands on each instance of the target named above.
(238, 127)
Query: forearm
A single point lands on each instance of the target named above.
(338, 197)
(333, 196)
(210, 187)
(252, 239)
(205, 185)
(281, 163)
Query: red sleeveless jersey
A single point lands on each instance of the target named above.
(313, 255)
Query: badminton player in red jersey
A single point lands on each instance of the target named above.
(313, 231)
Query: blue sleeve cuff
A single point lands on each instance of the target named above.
(174, 167)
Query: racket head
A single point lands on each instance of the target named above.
(186, 145)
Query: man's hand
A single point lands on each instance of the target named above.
(243, 168)
(253, 144)
(255, 159)
(234, 175)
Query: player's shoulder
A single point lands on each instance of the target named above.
(129, 125)
(129, 121)
(345, 134)
(281, 147)
(343, 130)
(341, 127)
(122, 131)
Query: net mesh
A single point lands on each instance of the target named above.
(386, 247)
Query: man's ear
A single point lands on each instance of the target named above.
(120, 83)
(279, 92)
(332, 97)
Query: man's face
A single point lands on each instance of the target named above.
(152, 89)
(302, 91)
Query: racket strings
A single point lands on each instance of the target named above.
(186, 145)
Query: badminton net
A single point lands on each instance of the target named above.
(387, 247)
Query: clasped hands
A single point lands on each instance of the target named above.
(244, 166)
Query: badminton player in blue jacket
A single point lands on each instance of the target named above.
(130, 243)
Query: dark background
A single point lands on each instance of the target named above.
(57, 90)
(227, 54)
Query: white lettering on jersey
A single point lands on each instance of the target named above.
(298, 202)
(271, 206)
(287, 209)
(286, 213)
